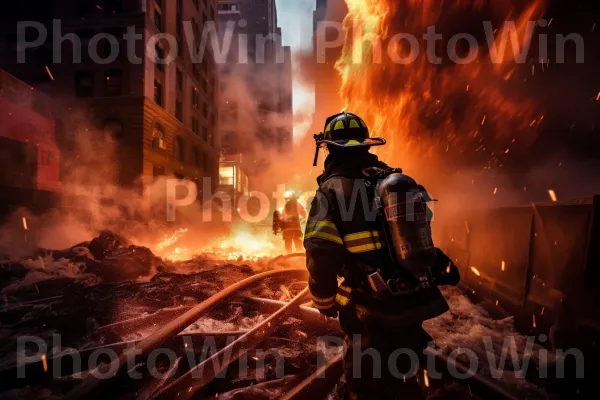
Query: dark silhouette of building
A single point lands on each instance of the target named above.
(327, 79)
(163, 117)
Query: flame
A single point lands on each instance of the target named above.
(240, 243)
(421, 107)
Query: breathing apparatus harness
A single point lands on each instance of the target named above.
(397, 285)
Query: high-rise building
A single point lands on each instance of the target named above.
(162, 115)
(256, 91)
(262, 65)
(327, 79)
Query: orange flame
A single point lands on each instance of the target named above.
(424, 107)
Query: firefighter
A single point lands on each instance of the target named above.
(288, 220)
(345, 239)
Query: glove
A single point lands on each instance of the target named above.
(445, 271)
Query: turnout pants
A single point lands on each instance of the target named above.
(293, 240)
(382, 362)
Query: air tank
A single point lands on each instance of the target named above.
(407, 231)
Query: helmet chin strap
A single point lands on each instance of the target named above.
(316, 156)
(318, 137)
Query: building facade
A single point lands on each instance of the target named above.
(263, 66)
(327, 79)
(163, 116)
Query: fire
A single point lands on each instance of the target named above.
(240, 243)
(423, 108)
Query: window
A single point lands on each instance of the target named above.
(226, 175)
(179, 149)
(158, 141)
(195, 125)
(178, 110)
(179, 79)
(205, 134)
(158, 20)
(196, 155)
(113, 82)
(159, 54)
(84, 84)
(195, 97)
(158, 93)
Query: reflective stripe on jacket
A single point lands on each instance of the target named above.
(343, 238)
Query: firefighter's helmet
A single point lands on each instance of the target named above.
(345, 130)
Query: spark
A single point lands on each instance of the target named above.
(426, 378)
(552, 195)
(598, 97)
(25, 224)
(534, 324)
(495, 190)
(483, 121)
(448, 268)
(533, 122)
(467, 226)
(497, 302)
(507, 151)
(503, 267)
(543, 308)
(475, 271)
(44, 363)
(49, 73)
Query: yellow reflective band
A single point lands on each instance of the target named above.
(365, 247)
(361, 235)
(313, 225)
(322, 300)
(342, 300)
(328, 128)
(352, 142)
(325, 236)
(345, 289)
(338, 125)
(354, 124)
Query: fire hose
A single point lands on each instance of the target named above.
(188, 384)
(229, 354)
(91, 386)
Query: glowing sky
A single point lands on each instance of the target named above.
(295, 18)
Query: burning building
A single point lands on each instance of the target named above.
(162, 117)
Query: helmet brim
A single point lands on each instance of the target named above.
(349, 143)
